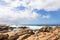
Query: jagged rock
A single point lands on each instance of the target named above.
(23, 27)
(23, 37)
(5, 28)
(46, 29)
(41, 34)
(14, 37)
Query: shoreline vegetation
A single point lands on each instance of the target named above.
(25, 33)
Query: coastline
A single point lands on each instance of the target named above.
(26, 33)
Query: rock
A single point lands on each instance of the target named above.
(14, 37)
(46, 29)
(5, 28)
(23, 27)
(4, 36)
(45, 33)
(23, 37)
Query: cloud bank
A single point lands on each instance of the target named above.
(23, 9)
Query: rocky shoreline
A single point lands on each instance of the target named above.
(45, 33)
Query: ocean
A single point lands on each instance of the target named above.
(39, 24)
(35, 26)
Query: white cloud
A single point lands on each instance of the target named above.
(46, 16)
(48, 5)
(36, 4)
(9, 12)
(33, 4)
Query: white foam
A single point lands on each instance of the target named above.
(13, 26)
(34, 27)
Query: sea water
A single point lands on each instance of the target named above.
(34, 26)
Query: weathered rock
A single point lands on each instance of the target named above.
(23, 27)
(4, 36)
(46, 29)
(41, 34)
(5, 28)
(14, 37)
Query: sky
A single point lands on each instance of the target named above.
(29, 12)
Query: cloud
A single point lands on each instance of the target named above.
(46, 16)
(10, 14)
(23, 9)
(48, 5)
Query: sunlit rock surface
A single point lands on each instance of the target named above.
(45, 33)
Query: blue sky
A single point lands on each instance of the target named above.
(29, 12)
(54, 16)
